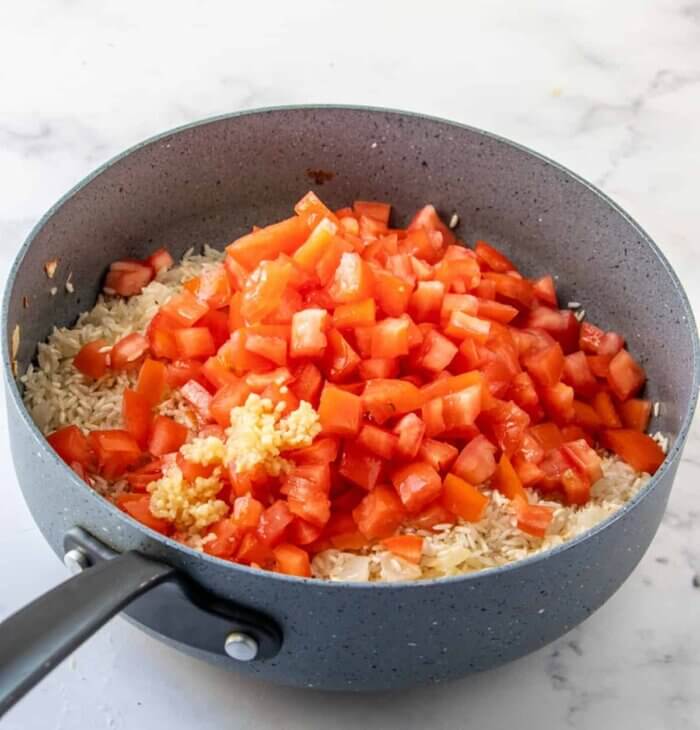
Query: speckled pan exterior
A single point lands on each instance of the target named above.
(211, 181)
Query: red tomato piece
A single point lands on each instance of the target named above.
(184, 309)
(576, 485)
(137, 415)
(640, 451)
(307, 383)
(267, 243)
(507, 481)
(264, 290)
(385, 398)
(227, 398)
(166, 436)
(160, 260)
(507, 422)
(515, 290)
(586, 417)
(323, 450)
(425, 303)
(562, 325)
(308, 338)
(533, 518)
(360, 466)
(465, 303)
(273, 523)
(301, 532)
(558, 402)
(599, 364)
(160, 337)
(312, 250)
(546, 366)
(462, 408)
(408, 547)
(439, 454)
(461, 325)
(340, 412)
(635, 414)
(194, 342)
(309, 502)
(179, 372)
(152, 381)
(476, 463)
(417, 485)
(584, 458)
(625, 376)
(227, 538)
(437, 352)
(254, 551)
(590, 337)
(93, 358)
(577, 373)
(116, 451)
(410, 430)
(492, 258)
(356, 314)
(199, 397)
(428, 218)
(379, 514)
(292, 560)
(217, 374)
(390, 338)
(127, 278)
(138, 507)
(214, 288)
(610, 344)
(378, 441)
(605, 408)
(393, 293)
(128, 351)
(71, 445)
(373, 209)
(545, 291)
(271, 348)
(339, 360)
(380, 367)
(548, 435)
(496, 311)
(352, 281)
(463, 499)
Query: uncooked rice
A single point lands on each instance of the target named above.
(57, 395)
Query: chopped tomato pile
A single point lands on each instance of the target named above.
(435, 369)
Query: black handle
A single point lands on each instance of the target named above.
(38, 637)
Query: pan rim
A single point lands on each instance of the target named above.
(13, 391)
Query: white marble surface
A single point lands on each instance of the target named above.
(610, 89)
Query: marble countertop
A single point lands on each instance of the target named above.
(612, 90)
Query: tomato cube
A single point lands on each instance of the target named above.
(93, 359)
(340, 412)
(417, 484)
(462, 499)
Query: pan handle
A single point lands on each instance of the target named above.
(39, 636)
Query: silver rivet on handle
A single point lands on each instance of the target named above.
(241, 647)
(76, 560)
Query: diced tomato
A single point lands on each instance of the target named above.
(308, 501)
(179, 372)
(311, 251)
(562, 325)
(586, 417)
(465, 303)
(463, 499)
(273, 522)
(461, 409)
(340, 412)
(217, 374)
(625, 375)
(127, 278)
(226, 398)
(160, 260)
(390, 338)
(497, 311)
(379, 514)
(166, 436)
(417, 485)
(378, 441)
(610, 344)
(352, 281)
(491, 257)
(116, 451)
(476, 463)
(138, 479)
(380, 367)
(93, 359)
(308, 337)
(323, 450)
(428, 219)
(160, 336)
(545, 291)
(507, 422)
(558, 402)
(312, 209)
(522, 392)
(425, 303)
(605, 408)
(577, 486)
(507, 481)
(199, 397)
(373, 209)
(439, 454)
(546, 366)
(408, 547)
(461, 326)
(264, 290)
(307, 383)
(640, 451)
(410, 431)
(590, 337)
(152, 381)
(599, 364)
(214, 288)
(267, 243)
(194, 342)
(136, 414)
(254, 551)
(573, 432)
(138, 507)
(533, 518)
(360, 466)
(191, 470)
(71, 445)
(227, 538)
(553, 466)
(356, 314)
(393, 293)
(437, 352)
(301, 532)
(385, 398)
(584, 458)
(577, 373)
(292, 560)
(271, 348)
(635, 414)
(516, 290)
(339, 360)
(184, 309)
(548, 435)
(128, 351)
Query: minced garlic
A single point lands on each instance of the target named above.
(205, 451)
(190, 506)
(259, 434)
